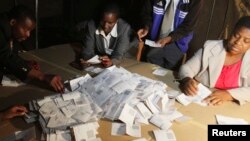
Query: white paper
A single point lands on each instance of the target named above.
(133, 130)
(58, 120)
(152, 43)
(49, 109)
(128, 114)
(118, 129)
(85, 131)
(161, 122)
(162, 135)
(94, 60)
(160, 72)
(144, 110)
(230, 120)
(69, 110)
(202, 93)
(71, 95)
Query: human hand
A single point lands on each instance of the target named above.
(55, 81)
(106, 61)
(33, 64)
(84, 63)
(218, 97)
(164, 41)
(189, 86)
(13, 112)
(142, 33)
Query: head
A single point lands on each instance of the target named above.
(239, 41)
(22, 22)
(109, 17)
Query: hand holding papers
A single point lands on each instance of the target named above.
(203, 92)
(94, 60)
(152, 43)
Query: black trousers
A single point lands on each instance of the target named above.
(169, 57)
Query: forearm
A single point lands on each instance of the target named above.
(36, 74)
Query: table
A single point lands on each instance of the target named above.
(56, 59)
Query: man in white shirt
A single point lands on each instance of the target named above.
(109, 38)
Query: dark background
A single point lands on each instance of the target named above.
(58, 17)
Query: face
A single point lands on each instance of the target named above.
(108, 22)
(21, 29)
(239, 42)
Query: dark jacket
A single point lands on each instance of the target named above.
(187, 26)
(93, 43)
(9, 60)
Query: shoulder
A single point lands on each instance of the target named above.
(211, 44)
(122, 25)
(213, 48)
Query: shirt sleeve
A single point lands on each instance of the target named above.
(11, 61)
(190, 21)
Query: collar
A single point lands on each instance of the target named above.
(113, 32)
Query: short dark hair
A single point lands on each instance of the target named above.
(111, 8)
(242, 22)
(20, 13)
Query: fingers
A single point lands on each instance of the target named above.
(106, 61)
(213, 100)
(190, 87)
(142, 33)
(57, 84)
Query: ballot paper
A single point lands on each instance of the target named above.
(161, 122)
(86, 131)
(202, 93)
(133, 130)
(69, 110)
(128, 115)
(144, 110)
(160, 72)
(230, 120)
(57, 121)
(77, 82)
(152, 43)
(6, 81)
(30, 117)
(59, 136)
(93, 69)
(118, 129)
(94, 60)
(71, 95)
(49, 109)
(151, 102)
(162, 135)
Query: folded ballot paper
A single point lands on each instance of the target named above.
(94, 60)
(203, 92)
(114, 94)
(152, 43)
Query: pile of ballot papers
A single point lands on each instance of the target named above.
(60, 114)
(128, 99)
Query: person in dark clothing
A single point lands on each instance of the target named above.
(174, 30)
(15, 27)
(109, 38)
